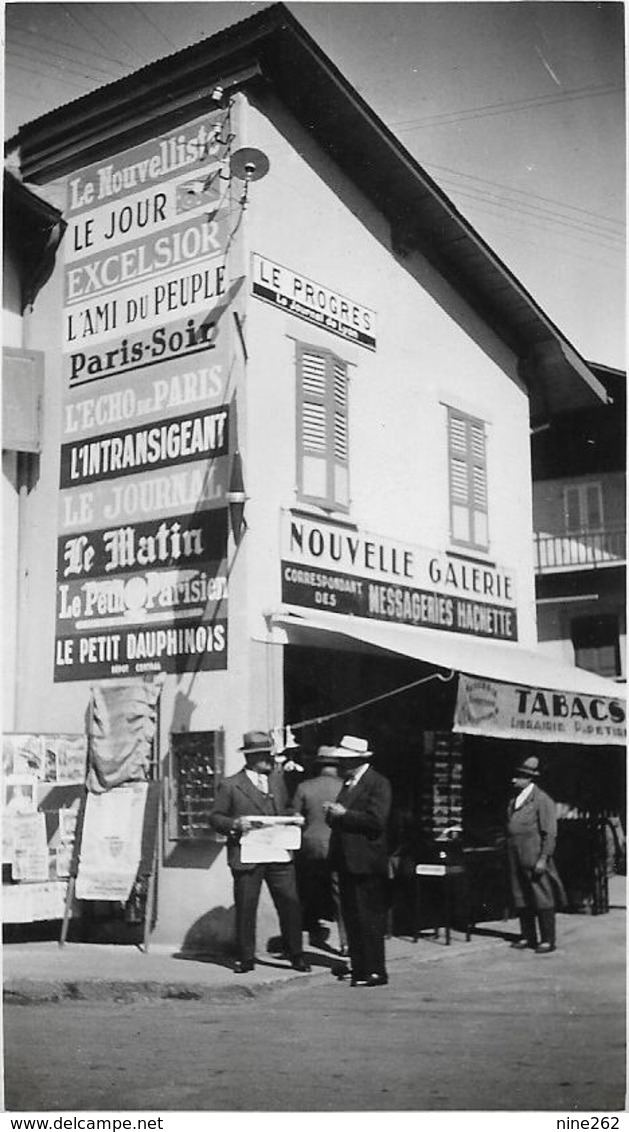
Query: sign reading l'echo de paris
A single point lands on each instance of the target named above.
(343, 570)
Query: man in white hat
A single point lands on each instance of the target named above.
(240, 801)
(531, 835)
(358, 852)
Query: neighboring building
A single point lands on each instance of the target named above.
(292, 390)
(32, 231)
(579, 509)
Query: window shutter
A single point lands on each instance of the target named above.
(323, 447)
(313, 418)
(573, 509)
(468, 480)
(594, 507)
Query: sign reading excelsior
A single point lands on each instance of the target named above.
(141, 572)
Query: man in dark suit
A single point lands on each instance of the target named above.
(358, 852)
(241, 801)
(531, 835)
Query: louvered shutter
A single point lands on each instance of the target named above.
(468, 480)
(340, 437)
(593, 507)
(572, 504)
(322, 428)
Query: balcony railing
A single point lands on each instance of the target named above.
(580, 550)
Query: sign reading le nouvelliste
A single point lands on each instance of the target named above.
(295, 293)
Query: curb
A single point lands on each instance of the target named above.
(25, 992)
(41, 992)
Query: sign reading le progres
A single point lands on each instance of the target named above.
(312, 302)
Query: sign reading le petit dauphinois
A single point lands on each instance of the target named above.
(312, 302)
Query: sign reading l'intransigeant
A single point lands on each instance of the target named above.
(141, 576)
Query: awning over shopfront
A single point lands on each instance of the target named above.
(504, 691)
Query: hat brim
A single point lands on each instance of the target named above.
(354, 754)
(255, 750)
(523, 772)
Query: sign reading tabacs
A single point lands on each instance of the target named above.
(515, 711)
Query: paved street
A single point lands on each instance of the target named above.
(483, 1029)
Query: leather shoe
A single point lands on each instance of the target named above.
(344, 951)
(544, 948)
(242, 966)
(523, 945)
(298, 963)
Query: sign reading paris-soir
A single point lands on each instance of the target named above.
(145, 447)
(312, 302)
(344, 570)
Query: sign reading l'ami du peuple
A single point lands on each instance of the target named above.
(141, 572)
(312, 302)
(344, 570)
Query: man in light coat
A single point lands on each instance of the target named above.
(531, 836)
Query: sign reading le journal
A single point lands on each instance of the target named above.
(312, 302)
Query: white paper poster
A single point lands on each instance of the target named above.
(112, 843)
(30, 847)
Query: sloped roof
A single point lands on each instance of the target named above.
(272, 47)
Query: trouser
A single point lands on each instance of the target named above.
(363, 901)
(319, 894)
(280, 880)
(546, 919)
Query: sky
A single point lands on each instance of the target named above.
(516, 110)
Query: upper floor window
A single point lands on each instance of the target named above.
(583, 507)
(322, 428)
(596, 644)
(468, 480)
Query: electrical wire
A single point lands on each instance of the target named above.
(373, 700)
(496, 108)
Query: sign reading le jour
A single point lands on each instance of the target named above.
(312, 302)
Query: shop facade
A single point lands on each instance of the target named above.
(286, 472)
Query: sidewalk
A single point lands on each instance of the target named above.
(43, 972)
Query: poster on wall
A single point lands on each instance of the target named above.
(30, 847)
(146, 417)
(112, 842)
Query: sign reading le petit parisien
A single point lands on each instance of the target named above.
(343, 570)
(141, 560)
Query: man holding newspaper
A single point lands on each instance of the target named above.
(253, 811)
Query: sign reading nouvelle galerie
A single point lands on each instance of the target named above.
(344, 570)
(141, 572)
(295, 293)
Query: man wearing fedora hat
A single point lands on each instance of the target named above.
(358, 852)
(531, 836)
(241, 801)
(317, 882)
